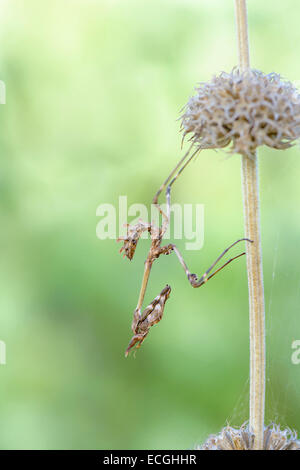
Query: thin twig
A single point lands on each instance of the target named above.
(254, 257)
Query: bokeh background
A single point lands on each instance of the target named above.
(94, 90)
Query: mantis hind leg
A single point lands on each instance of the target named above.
(193, 278)
(168, 183)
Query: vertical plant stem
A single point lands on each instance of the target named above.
(254, 258)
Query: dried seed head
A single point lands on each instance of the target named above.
(245, 110)
(242, 439)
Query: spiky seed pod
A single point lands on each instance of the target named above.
(242, 439)
(245, 110)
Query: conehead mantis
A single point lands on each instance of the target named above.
(143, 320)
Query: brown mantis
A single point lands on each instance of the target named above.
(142, 321)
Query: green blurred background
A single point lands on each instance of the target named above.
(94, 90)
